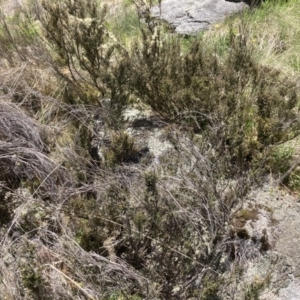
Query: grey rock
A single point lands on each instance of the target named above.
(283, 212)
(191, 16)
(292, 292)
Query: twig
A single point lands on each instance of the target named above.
(287, 173)
(70, 279)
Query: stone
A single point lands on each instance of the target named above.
(191, 16)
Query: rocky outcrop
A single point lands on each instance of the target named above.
(269, 222)
(190, 16)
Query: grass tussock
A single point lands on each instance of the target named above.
(82, 216)
(278, 46)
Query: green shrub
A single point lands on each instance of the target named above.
(121, 149)
(294, 180)
(242, 106)
(32, 279)
(239, 104)
(256, 287)
(88, 58)
(210, 288)
(280, 159)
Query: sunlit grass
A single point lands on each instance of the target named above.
(272, 31)
(123, 21)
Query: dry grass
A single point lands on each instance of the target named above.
(277, 46)
(49, 261)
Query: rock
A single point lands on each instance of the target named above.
(279, 218)
(190, 16)
(252, 3)
(291, 292)
(9, 7)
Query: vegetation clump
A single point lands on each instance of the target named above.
(82, 228)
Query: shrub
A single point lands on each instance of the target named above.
(132, 231)
(244, 107)
(85, 54)
(120, 149)
(31, 278)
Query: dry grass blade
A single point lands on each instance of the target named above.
(21, 151)
(16, 125)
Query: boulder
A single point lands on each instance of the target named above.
(191, 16)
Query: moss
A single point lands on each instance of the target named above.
(242, 216)
(210, 288)
(32, 279)
(255, 288)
